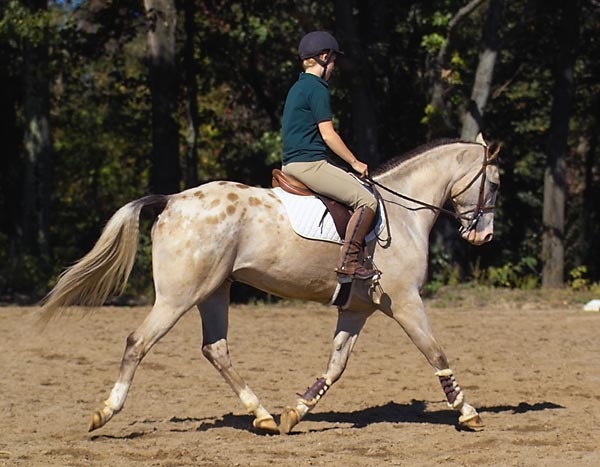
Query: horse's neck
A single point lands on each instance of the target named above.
(427, 178)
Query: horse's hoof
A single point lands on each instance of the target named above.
(266, 425)
(289, 419)
(96, 421)
(99, 418)
(472, 423)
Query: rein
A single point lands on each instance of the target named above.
(413, 200)
(472, 215)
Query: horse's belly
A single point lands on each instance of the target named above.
(292, 268)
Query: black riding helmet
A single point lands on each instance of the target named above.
(316, 42)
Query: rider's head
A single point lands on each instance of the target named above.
(319, 46)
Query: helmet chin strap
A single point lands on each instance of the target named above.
(324, 63)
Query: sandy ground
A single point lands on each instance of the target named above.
(530, 367)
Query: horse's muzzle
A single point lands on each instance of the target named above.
(478, 237)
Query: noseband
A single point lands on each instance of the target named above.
(472, 215)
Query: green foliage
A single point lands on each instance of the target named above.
(18, 23)
(244, 64)
(271, 145)
(443, 271)
(432, 42)
(578, 279)
(522, 275)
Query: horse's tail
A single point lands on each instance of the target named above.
(105, 269)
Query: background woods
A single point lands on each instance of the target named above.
(104, 101)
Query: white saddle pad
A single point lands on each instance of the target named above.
(310, 218)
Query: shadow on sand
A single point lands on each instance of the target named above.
(392, 412)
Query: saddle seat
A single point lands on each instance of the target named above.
(290, 184)
(339, 212)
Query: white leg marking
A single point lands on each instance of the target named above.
(117, 396)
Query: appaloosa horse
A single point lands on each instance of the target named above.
(208, 237)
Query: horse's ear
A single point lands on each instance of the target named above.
(495, 150)
(479, 139)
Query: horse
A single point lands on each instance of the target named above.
(208, 237)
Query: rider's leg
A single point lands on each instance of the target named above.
(358, 227)
(331, 181)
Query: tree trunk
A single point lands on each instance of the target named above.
(472, 120)
(11, 173)
(162, 22)
(591, 197)
(191, 97)
(364, 120)
(554, 177)
(37, 148)
(438, 120)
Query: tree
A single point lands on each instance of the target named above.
(37, 144)
(364, 120)
(553, 247)
(191, 96)
(472, 120)
(438, 118)
(10, 175)
(162, 23)
(408, 60)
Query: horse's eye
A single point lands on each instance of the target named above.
(494, 187)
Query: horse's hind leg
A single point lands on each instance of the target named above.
(214, 313)
(160, 320)
(347, 330)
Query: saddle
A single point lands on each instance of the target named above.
(340, 213)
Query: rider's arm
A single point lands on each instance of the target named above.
(336, 144)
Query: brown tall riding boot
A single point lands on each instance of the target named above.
(358, 227)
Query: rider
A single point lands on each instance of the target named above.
(307, 132)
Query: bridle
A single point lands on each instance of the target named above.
(472, 216)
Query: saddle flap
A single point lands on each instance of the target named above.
(339, 212)
(310, 218)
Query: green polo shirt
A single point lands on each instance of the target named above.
(307, 104)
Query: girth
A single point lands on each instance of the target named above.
(339, 212)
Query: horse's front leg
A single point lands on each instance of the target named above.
(214, 313)
(347, 330)
(413, 320)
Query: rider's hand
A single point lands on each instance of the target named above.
(360, 167)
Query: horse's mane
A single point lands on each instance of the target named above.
(396, 161)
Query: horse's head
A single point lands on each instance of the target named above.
(474, 197)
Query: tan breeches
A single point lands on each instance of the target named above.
(331, 181)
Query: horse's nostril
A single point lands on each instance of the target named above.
(488, 237)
